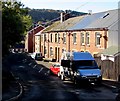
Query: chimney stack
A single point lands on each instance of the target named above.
(61, 17)
(64, 16)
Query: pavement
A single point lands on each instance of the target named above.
(112, 85)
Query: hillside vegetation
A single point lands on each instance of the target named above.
(45, 15)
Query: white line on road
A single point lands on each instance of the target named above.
(34, 66)
(29, 63)
(40, 70)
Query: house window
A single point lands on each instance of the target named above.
(51, 51)
(63, 50)
(41, 37)
(51, 38)
(58, 38)
(87, 38)
(82, 39)
(64, 37)
(97, 34)
(38, 38)
(74, 38)
(45, 37)
(45, 50)
(55, 37)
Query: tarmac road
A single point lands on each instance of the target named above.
(40, 85)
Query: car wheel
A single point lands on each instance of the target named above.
(58, 74)
(75, 81)
(50, 72)
(99, 82)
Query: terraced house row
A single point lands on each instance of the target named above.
(92, 33)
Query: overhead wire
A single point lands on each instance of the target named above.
(55, 19)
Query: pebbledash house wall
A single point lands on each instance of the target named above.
(69, 45)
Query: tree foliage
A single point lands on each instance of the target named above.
(15, 22)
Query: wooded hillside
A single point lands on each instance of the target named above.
(44, 15)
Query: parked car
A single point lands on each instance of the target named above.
(37, 56)
(56, 68)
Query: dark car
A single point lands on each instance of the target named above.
(37, 56)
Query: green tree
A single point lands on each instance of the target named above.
(15, 23)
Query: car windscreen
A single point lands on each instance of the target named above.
(85, 64)
(56, 65)
(38, 54)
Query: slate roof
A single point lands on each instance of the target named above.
(97, 20)
(67, 24)
(106, 19)
(58, 26)
(49, 28)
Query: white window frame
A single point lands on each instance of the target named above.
(82, 39)
(45, 37)
(88, 38)
(51, 51)
(51, 38)
(56, 36)
(45, 50)
(97, 39)
(63, 50)
(74, 38)
(64, 38)
(42, 38)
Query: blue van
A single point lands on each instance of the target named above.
(82, 67)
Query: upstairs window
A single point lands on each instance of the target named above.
(74, 38)
(42, 38)
(64, 38)
(97, 36)
(51, 38)
(56, 37)
(87, 38)
(82, 39)
(45, 38)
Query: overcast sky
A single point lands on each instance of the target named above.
(78, 5)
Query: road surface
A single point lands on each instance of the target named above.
(40, 85)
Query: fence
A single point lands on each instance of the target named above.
(110, 69)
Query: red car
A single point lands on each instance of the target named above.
(55, 68)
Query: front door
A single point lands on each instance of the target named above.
(56, 53)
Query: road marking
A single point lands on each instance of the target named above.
(29, 63)
(40, 70)
(34, 66)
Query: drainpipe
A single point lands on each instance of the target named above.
(44, 44)
(40, 43)
(105, 39)
(69, 42)
(33, 41)
(48, 45)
